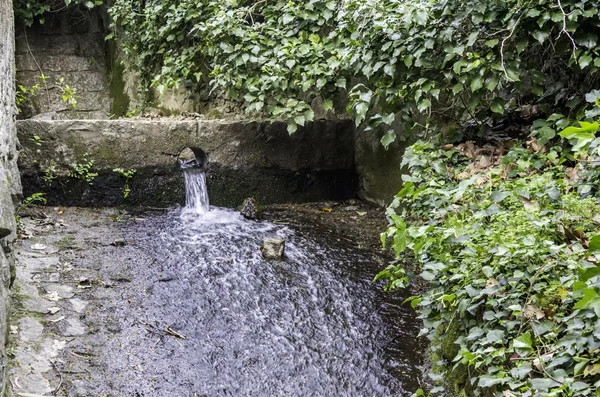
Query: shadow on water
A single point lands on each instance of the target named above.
(310, 325)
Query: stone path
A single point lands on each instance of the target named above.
(49, 345)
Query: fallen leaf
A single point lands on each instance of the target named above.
(361, 213)
(53, 310)
(528, 204)
(532, 311)
(491, 283)
(53, 296)
(326, 209)
(39, 247)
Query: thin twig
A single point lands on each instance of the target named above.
(43, 77)
(61, 378)
(564, 28)
(512, 31)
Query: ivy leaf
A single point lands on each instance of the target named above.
(540, 35)
(476, 83)
(388, 138)
(424, 105)
(543, 384)
(523, 345)
(490, 380)
(497, 105)
(594, 245)
(292, 127)
(328, 104)
(299, 120)
(585, 60)
(491, 83)
(287, 18)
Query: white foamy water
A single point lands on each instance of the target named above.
(196, 193)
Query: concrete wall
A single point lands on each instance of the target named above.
(378, 168)
(9, 177)
(70, 45)
(249, 158)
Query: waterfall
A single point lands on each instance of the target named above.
(196, 194)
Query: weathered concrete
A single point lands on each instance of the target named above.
(258, 159)
(378, 169)
(9, 177)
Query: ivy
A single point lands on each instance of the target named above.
(397, 62)
(508, 242)
(29, 11)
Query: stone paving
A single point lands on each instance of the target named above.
(51, 296)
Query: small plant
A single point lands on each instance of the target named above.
(36, 140)
(127, 175)
(83, 170)
(69, 94)
(35, 198)
(49, 173)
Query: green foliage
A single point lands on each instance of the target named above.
(395, 61)
(127, 175)
(509, 247)
(35, 198)
(49, 173)
(29, 11)
(83, 170)
(24, 95)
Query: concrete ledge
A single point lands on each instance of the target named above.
(247, 158)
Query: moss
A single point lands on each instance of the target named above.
(120, 99)
(457, 380)
(118, 94)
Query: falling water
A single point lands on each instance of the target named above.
(196, 194)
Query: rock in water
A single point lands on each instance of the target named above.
(272, 248)
(251, 209)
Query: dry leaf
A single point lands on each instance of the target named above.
(53, 296)
(360, 213)
(532, 311)
(491, 283)
(326, 209)
(528, 204)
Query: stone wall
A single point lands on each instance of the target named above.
(247, 158)
(9, 176)
(378, 168)
(70, 45)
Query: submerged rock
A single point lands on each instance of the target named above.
(272, 248)
(251, 209)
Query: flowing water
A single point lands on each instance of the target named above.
(312, 324)
(196, 193)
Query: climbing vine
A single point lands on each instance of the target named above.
(507, 238)
(397, 62)
(29, 11)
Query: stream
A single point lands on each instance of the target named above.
(182, 303)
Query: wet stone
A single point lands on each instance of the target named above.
(272, 248)
(30, 329)
(63, 291)
(74, 327)
(251, 209)
(78, 305)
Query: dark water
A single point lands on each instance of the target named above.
(311, 325)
